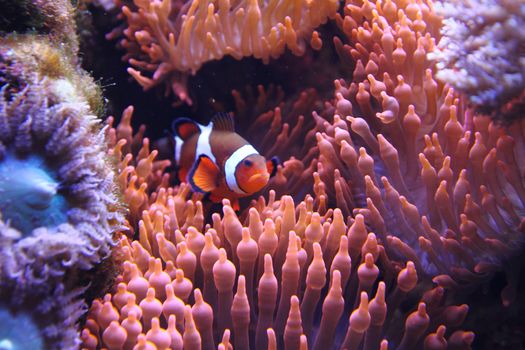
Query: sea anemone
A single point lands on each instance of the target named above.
(393, 183)
(233, 266)
(59, 205)
(43, 322)
(174, 38)
(58, 198)
(405, 151)
(139, 171)
(166, 270)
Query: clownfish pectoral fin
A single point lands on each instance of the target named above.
(204, 176)
(184, 128)
(271, 166)
(223, 121)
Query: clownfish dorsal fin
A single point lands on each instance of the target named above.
(271, 165)
(184, 128)
(223, 121)
(204, 175)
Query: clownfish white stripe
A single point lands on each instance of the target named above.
(203, 143)
(231, 165)
(178, 149)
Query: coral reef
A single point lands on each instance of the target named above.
(481, 52)
(167, 39)
(396, 200)
(395, 190)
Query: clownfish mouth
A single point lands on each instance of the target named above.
(258, 181)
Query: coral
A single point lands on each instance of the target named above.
(173, 38)
(481, 50)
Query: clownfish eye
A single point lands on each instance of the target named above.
(248, 163)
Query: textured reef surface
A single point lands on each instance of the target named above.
(394, 220)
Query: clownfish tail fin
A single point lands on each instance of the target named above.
(271, 165)
(184, 128)
(223, 121)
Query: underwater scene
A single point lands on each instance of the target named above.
(262, 174)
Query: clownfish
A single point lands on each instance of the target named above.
(215, 160)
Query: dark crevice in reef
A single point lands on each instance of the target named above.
(19, 16)
(497, 326)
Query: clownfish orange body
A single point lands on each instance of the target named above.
(214, 159)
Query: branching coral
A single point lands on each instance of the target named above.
(481, 50)
(170, 38)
